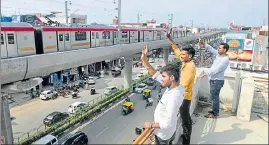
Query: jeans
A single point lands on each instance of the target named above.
(186, 121)
(215, 87)
(166, 142)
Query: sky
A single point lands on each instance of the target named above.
(212, 13)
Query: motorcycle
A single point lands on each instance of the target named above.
(92, 91)
(75, 95)
(149, 102)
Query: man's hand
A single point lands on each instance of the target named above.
(201, 76)
(168, 34)
(144, 52)
(147, 125)
(201, 43)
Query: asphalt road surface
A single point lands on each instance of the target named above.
(114, 128)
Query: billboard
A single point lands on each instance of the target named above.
(240, 49)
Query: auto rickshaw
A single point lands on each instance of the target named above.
(146, 93)
(127, 107)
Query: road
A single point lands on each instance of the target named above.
(29, 116)
(114, 128)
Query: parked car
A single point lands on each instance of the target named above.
(48, 94)
(151, 60)
(47, 140)
(78, 138)
(110, 90)
(115, 73)
(73, 108)
(138, 76)
(140, 88)
(91, 80)
(54, 117)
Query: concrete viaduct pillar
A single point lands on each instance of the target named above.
(128, 66)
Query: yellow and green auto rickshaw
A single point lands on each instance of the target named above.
(127, 107)
(146, 93)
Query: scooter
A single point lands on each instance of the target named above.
(92, 91)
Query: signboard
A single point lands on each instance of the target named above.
(240, 49)
(248, 44)
(235, 44)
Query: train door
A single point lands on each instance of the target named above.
(154, 35)
(26, 43)
(67, 41)
(60, 36)
(3, 46)
(124, 37)
(93, 43)
(12, 46)
(115, 36)
(109, 38)
(141, 36)
(102, 40)
(97, 39)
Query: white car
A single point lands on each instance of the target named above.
(151, 60)
(91, 80)
(140, 88)
(73, 108)
(138, 76)
(110, 90)
(45, 95)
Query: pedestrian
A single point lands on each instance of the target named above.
(187, 77)
(216, 74)
(165, 114)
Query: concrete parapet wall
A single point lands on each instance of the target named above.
(246, 98)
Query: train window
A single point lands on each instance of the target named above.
(2, 39)
(158, 33)
(108, 35)
(10, 38)
(97, 35)
(93, 35)
(66, 36)
(61, 37)
(124, 35)
(80, 36)
(115, 34)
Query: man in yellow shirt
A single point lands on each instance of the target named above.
(187, 76)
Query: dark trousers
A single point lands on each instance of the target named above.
(166, 142)
(215, 87)
(186, 121)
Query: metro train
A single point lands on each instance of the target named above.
(22, 39)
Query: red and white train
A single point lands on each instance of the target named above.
(22, 39)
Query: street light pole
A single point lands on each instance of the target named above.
(119, 21)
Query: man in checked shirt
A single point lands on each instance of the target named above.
(187, 77)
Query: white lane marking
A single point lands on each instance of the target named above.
(120, 117)
(89, 122)
(102, 132)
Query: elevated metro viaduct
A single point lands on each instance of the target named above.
(21, 68)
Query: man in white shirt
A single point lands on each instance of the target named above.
(165, 114)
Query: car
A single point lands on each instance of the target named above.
(73, 108)
(47, 140)
(91, 80)
(143, 71)
(47, 94)
(138, 76)
(110, 90)
(141, 87)
(151, 60)
(78, 138)
(54, 117)
(158, 67)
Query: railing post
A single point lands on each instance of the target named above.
(237, 90)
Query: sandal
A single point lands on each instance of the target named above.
(210, 115)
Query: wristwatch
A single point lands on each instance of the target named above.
(151, 125)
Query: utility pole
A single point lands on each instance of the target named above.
(119, 21)
(66, 11)
(170, 20)
(6, 128)
(138, 18)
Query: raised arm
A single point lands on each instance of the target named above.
(173, 45)
(209, 48)
(145, 62)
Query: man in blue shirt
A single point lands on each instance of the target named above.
(216, 74)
